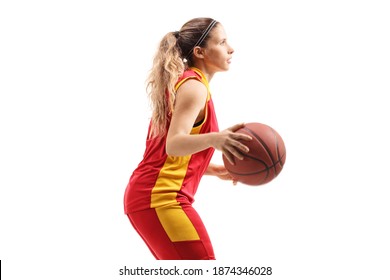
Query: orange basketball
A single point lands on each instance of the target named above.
(265, 159)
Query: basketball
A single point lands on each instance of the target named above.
(265, 159)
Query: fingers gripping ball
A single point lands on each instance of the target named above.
(265, 159)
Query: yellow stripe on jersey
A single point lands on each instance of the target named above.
(169, 181)
(172, 217)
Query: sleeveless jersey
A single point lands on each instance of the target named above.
(170, 181)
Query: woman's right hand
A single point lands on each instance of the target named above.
(229, 142)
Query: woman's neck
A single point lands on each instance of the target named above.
(208, 74)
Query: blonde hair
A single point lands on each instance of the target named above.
(173, 56)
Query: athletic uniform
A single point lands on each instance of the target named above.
(158, 199)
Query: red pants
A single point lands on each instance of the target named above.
(173, 233)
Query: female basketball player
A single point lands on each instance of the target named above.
(182, 136)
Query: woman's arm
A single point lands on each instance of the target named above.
(189, 107)
(219, 171)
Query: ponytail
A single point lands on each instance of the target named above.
(167, 67)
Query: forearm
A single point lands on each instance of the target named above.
(211, 169)
(186, 144)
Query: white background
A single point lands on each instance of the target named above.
(74, 114)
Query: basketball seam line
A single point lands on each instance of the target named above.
(265, 145)
(259, 171)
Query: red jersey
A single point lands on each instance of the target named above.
(170, 181)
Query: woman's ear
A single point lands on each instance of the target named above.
(198, 52)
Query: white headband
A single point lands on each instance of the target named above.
(201, 39)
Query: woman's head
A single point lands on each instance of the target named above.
(199, 42)
(203, 43)
(194, 33)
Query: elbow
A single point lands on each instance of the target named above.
(175, 148)
(170, 149)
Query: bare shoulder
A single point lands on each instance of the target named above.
(191, 94)
(192, 86)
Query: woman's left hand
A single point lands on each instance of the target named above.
(221, 172)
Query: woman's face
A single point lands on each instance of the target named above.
(217, 53)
